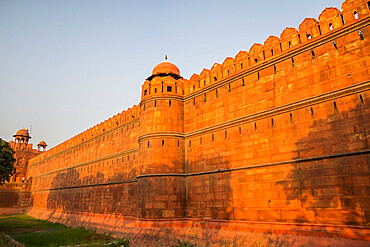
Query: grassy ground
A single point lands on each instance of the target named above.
(34, 232)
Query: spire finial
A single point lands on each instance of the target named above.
(165, 58)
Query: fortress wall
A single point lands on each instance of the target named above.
(276, 134)
(95, 175)
(314, 106)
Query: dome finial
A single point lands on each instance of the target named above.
(165, 58)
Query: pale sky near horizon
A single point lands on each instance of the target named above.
(66, 66)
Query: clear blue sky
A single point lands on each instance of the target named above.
(68, 65)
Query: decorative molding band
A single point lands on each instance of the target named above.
(315, 42)
(137, 119)
(111, 156)
(354, 89)
(162, 134)
(88, 185)
(362, 152)
(331, 156)
(167, 97)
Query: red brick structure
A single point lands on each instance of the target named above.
(275, 138)
(15, 195)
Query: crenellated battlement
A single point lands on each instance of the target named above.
(310, 30)
(125, 117)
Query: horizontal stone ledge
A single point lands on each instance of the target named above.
(88, 185)
(162, 97)
(161, 134)
(367, 151)
(343, 92)
(316, 42)
(257, 166)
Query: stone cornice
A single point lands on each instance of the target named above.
(315, 42)
(162, 97)
(357, 88)
(161, 134)
(191, 174)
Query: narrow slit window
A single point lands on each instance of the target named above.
(241, 65)
(313, 54)
(272, 52)
(169, 103)
(228, 72)
(354, 129)
(299, 38)
(330, 26)
(175, 89)
(291, 117)
(281, 48)
(213, 137)
(255, 126)
(264, 57)
(319, 29)
(362, 100)
(355, 15)
(201, 140)
(240, 130)
(229, 88)
(162, 88)
(148, 144)
(145, 92)
(225, 134)
(162, 143)
(216, 93)
(205, 97)
(178, 143)
(290, 44)
(215, 78)
(258, 75)
(335, 44)
(193, 87)
(274, 69)
(155, 103)
(343, 22)
(190, 143)
(293, 62)
(272, 123)
(194, 101)
(360, 34)
(243, 83)
(335, 107)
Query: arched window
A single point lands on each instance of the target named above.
(330, 26)
(309, 36)
(355, 15)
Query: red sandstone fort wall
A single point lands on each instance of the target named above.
(276, 134)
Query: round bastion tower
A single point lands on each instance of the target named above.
(161, 183)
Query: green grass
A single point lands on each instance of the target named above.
(34, 232)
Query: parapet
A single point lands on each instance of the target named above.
(310, 28)
(120, 119)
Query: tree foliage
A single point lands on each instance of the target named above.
(7, 161)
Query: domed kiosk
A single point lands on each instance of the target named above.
(22, 136)
(165, 69)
